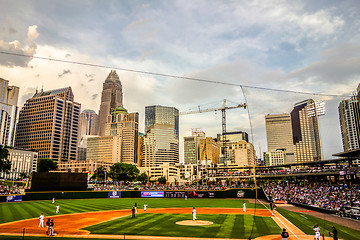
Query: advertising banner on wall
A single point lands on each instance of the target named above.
(114, 194)
(14, 198)
(152, 194)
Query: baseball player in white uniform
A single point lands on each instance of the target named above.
(194, 214)
(41, 218)
(244, 206)
(57, 208)
(145, 206)
(317, 232)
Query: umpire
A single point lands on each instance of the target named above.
(334, 233)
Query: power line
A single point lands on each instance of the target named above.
(171, 76)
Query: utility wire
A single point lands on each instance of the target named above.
(170, 76)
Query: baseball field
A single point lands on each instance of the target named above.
(164, 219)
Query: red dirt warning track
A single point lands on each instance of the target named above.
(70, 225)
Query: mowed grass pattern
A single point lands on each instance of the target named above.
(306, 223)
(225, 226)
(32, 209)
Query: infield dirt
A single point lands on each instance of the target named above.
(70, 225)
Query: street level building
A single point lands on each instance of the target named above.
(8, 110)
(49, 124)
(22, 161)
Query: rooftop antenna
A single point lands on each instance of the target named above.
(42, 87)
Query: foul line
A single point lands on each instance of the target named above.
(279, 220)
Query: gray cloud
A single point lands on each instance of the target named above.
(16, 47)
(68, 55)
(65, 72)
(91, 80)
(94, 96)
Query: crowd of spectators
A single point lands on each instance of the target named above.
(337, 197)
(5, 189)
(115, 186)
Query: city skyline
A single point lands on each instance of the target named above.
(290, 45)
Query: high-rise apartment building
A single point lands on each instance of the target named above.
(8, 110)
(279, 135)
(305, 131)
(161, 141)
(349, 114)
(111, 98)
(191, 146)
(49, 124)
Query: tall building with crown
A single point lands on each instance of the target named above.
(49, 124)
(111, 98)
(8, 110)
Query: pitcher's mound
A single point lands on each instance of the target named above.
(194, 223)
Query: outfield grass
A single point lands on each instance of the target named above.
(306, 223)
(32, 209)
(225, 226)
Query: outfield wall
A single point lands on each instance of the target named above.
(228, 193)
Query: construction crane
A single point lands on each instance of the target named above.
(223, 109)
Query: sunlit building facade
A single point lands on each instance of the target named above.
(49, 124)
(279, 135)
(306, 132)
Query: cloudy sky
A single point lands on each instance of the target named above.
(303, 46)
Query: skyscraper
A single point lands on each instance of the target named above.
(349, 114)
(191, 146)
(111, 98)
(88, 127)
(295, 137)
(8, 110)
(279, 135)
(88, 122)
(161, 141)
(305, 131)
(125, 126)
(49, 123)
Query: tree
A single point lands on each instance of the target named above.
(99, 174)
(162, 180)
(143, 178)
(123, 172)
(46, 165)
(5, 164)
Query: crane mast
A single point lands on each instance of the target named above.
(223, 109)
